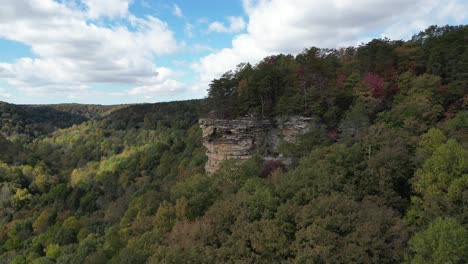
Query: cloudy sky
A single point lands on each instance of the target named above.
(127, 51)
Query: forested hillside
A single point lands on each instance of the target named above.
(383, 178)
(23, 123)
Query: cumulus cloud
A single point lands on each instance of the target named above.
(176, 11)
(74, 53)
(277, 26)
(163, 83)
(236, 24)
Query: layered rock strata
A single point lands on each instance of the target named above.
(242, 138)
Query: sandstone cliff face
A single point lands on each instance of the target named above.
(232, 139)
(242, 138)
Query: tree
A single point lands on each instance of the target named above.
(389, 165)
(222, 95)
(443, 241)
(355, 120)
(442, 185)
(42, 179)
(52, 251)
(376, 56)
(182, 209)
(375, 84)
(258, 242)
(428, 143)
(21, 198)
(337, 229)
(417, 109)
(199, 191)
(45, 219)
(165, 217)
(432, 140)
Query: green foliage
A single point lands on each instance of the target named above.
(315, 138)
(457, 127)
(45, 219)
(431, 141)
(198, 190)
(441, 183)
(323, 171)
(24, 123)
(165, 217)
(21, 198)
(260, 242)
(9, 151)
(444, 241)
(337, 229)
(52, 251)
(416, 109)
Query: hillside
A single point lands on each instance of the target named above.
(88, 111)
(379, 176)
(23, 123)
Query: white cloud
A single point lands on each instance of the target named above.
(74, 53)
(236, 24)
(176, 11)
(277, 26)
(107, 8)
(163, 83)
(217, 27)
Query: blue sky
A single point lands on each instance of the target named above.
(133, 51)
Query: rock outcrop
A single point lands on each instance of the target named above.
(232, 139)
(242, 138)
(294, 127)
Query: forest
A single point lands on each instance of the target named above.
(382, 179)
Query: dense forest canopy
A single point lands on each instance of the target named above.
(383, 178)
(326, 82)
(24, 123)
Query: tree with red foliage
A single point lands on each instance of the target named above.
(375, 83)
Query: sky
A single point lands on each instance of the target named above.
(135, 51)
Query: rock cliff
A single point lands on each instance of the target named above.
(242, 138)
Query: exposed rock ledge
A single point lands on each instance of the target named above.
(242, 138)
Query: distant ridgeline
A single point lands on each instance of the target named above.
(87, 110)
